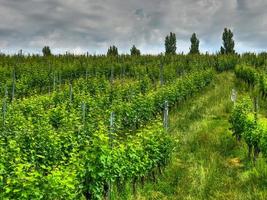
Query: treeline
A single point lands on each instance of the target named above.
(170, 43)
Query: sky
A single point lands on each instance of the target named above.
(78, 26)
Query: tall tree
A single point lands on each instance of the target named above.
(135, 51)
(170, 44)
(228, 42)
(46, 51)
(194, 49)
(112, 51)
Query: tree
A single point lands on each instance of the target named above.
(170, 44)
(46, 51)
(228, 42)
(194, 49)
(112, 51)
(135, 51)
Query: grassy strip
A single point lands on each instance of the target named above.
(208, 163)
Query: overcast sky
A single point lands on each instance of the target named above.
(93, 25)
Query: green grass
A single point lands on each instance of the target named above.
(208, 162)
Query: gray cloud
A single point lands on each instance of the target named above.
(87, 25)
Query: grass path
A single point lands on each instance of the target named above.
(208, 163)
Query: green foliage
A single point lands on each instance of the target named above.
(51, 149)
(263, 86)
(142, 109)
(248, 74)
(40, 75)
(238, 117)
(252, 130)
(226, 62)
(194, 49)
(263, 136)
(54, 148)
(253, 78)
(170, 44)
(112, 51)
(46, 51)
(130, 159)
(255, 60)
(135, 51)
(228, 42)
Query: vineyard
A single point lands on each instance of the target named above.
(127, 127)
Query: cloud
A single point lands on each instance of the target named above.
(87, 25)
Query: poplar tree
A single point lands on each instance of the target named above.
(112, 51)
(170, 44)
(194, 49)
(135, 51)
(228, 42)
(46, 51)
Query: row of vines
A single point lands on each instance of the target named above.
(80, 127)
(248, 125)
(92, 134)
(246, 121)
(23, 76)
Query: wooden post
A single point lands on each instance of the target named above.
(166, 115)
(234, 96)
